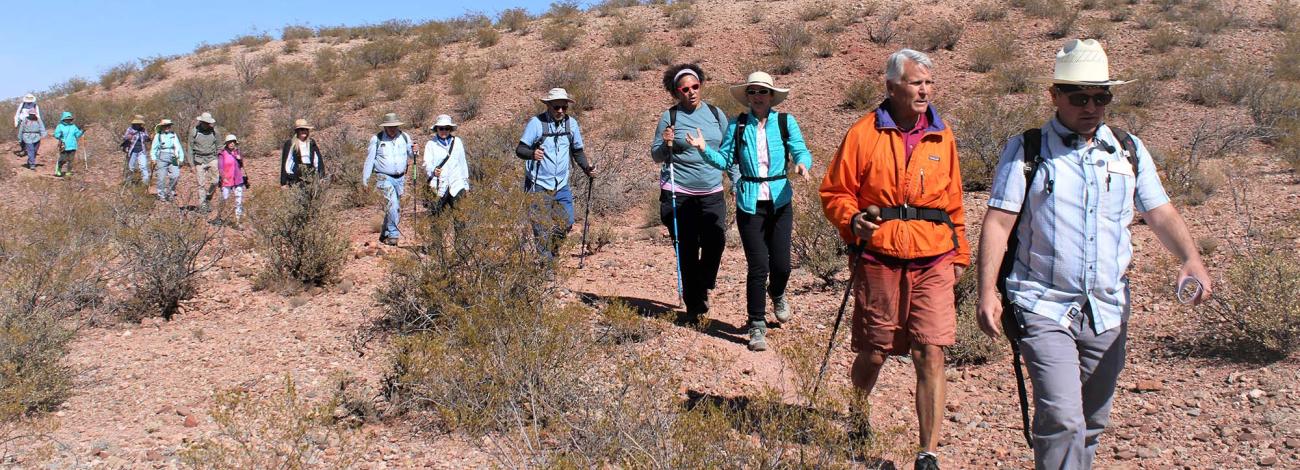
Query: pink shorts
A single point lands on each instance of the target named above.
(897, 305)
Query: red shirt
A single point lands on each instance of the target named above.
(913, 136)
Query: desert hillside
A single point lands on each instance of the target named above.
(139, 334)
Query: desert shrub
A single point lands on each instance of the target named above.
(621, 324)
(885, 29)
(626, 33)
(788, 45)
(681, 14)
(1286, 62)
(688, 38)
(576, 76)
(117, 74)
(163, 253)
(1045, 8)
(151, 70)
(348, 90)
(663, 54)
(514, 20)
(376, 54)
(982, 127)
(824, 48)
(290, 47)
(1251, 320)
(472, 101)
(440, 34)
(391, 86)
(816, 10)
(618, 176)
(1119, 13)
(1063, 24)
(815, 243)
(1274, 108)
(862, 94)
(345, 157)
(973, 346)
(1011, 77)
(565, 11)
(487, 36)
(1186, 177)
(718, 95)
(248, 69)
(629, 63)
(989, 11)
(756, 15)
(1096, 29)
(252, 40)
(1141, 93)
(613, 7)
(1164, 38)
(297, 32)
(997, 50)
(1213, 81)
(1168, 67)
(283, 430)
(291, 82)
(561, 36)
(942, 34)
(72, 85)
(1283, 15)
(624, 130)
(298, 235)
(421, 109)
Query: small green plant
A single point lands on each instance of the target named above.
(391, 86)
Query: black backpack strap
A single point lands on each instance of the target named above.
(1031, 148)
(1130, 147)
(738, 140)
(448, 157)
(784, 120)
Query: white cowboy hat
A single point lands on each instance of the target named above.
(443, 120)
(1082, 62)
(556, 94)
(761, 79)
(230, 138)
(390, 120)
(302, 124)
(29, 98)
(138, 120)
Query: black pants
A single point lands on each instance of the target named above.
(765, 234)
(701, 236)
(445, 203)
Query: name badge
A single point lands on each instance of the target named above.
(1122, 167)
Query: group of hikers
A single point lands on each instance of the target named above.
(1054, 245)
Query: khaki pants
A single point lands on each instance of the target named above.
(209, 178)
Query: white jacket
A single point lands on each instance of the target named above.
(455, 173)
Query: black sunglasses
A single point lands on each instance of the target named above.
(1081, 99)
(760, 91)
(442, 128)
(559, 107)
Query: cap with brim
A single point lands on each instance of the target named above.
(443, 120)
(231, 138)
(164, 122)
(1081, 62)
(301, 124)
(390, 120)
(760, 79)
(556, 94)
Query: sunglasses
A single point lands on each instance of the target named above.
(683, 90)
(1081, 99)
(442, 129)
(559, 107)
(760, 91)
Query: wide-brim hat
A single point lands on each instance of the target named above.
(556, 94)
(138, 119)
(164, 122)
(206, 117)
(391, 120)
(230, 138)
(301, 124)
(758, 79)
(29, 98)
(443, 120)
(1081, 62)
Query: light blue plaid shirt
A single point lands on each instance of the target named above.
(1075, 243)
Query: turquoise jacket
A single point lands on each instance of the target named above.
(67, 132)
(747, 194)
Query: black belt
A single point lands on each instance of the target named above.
(921, 213)
(755, 179)
(399, 175)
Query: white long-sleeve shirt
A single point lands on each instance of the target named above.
(455, 172)
(386, 155)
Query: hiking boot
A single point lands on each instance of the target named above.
(757, 336)
(390, 241)
(781, 308)
(926, 461)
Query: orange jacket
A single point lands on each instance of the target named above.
(869, 169)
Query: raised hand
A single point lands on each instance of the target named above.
(697, 140)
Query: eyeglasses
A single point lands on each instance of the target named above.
(559, 107)
(448, 129)
(687, 88)
(759, 91)
(1081, 99)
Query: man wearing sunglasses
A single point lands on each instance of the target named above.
(1067, 289)
(550, 140)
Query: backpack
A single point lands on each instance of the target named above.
(405, 138)
(565, 125)
(742, 120)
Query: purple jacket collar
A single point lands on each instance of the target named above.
(884, 120)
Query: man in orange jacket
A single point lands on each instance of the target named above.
(902, 158)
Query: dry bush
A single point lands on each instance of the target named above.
(1012, 77)
(163, 250)
(391, 86)
(621, 324)
(1119, 13)
(151, 70)
(376, 54)
(942, 34)
(283, 430)
(349, 90)
(422, 68)
(619, 176)
(248, 69)
(576, 76)
(345, 156)
(1141, 93)
(565, 11)
(251, 41)
(290, 47)
(824, 47)
(440, 34)
(117, 74)
(982, 127)
(291, 82)
(681, 14)
(816, 10)
(1097, 29)
(421, 109)
(626, 33)
(472, 101)
(1164, 38)
(756, 15)
(1288, 146)
(989, 11)
(688, 38)
(885, 29)
(561, 36)
(788, 45)
(1063, 24)
(613, 7)
(1168, 67)
(1186, 177)
(298, 235)
(1275, 108)
(72, 85)
(1286, 63)
(297, 32)
(973, 347)
(1044, 8)
(718, 94)
(862, 94)
(234, 113)
(624, 130)
(1214, 80)
(629, 63)
(1251, 318)
(815, 243)
(997, 50)
(514, 20)
(1283, 15)
(487, 36)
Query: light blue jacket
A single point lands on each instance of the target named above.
(167, 142)
(747, 192)
(67, 132)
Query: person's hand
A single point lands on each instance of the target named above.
(802, 171)
(990, 314)
(538, 154)
(958, 270)
(437, 172)
(863, 227)
(669, 135)
(1195, 269)
(590, 170)
(697, 140)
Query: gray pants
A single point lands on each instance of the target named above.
(167, 173)
(209, 179)
(1074, 371)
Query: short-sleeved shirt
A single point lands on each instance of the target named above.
(1075, 246)
(553, 172)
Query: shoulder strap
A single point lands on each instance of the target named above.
(1130, 147)
(738, 141)
(448, 157)
(784, 120)
(1031, 148)
(718, 115)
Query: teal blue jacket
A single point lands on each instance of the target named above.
(67, 132)
(747, 194)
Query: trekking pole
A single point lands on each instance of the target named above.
(677, 251)
(586, 222)
(855, 253)
(85, 158)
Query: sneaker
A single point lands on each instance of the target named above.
(390, 241)
(781, 308)
(757, 336)
(926, 461)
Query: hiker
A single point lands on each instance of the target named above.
(444, 165)
(30, 133)
(204, 146)
(1068, 290)
(763, 207)
(231, 166)
(25, 108)
(134, 144)
(167, 155)
(902, 159)
(300, 157)
(389, 155)
(550, 139)
(691, 205)
(67, 133)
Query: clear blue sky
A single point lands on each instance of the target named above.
(46, 43)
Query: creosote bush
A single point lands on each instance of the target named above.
(514, 20)
(576, 76)
(788, 45)
(995, 51)
(626, 33)
(487, 36)
(972, 346)
(862, 94)
(561, 36)
(151, 70)
(1253, 318)
(983, 127)
(117, 74)
(164, 253)
(989, 11)
(943, 34)
(681, 14)
(298, 234)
